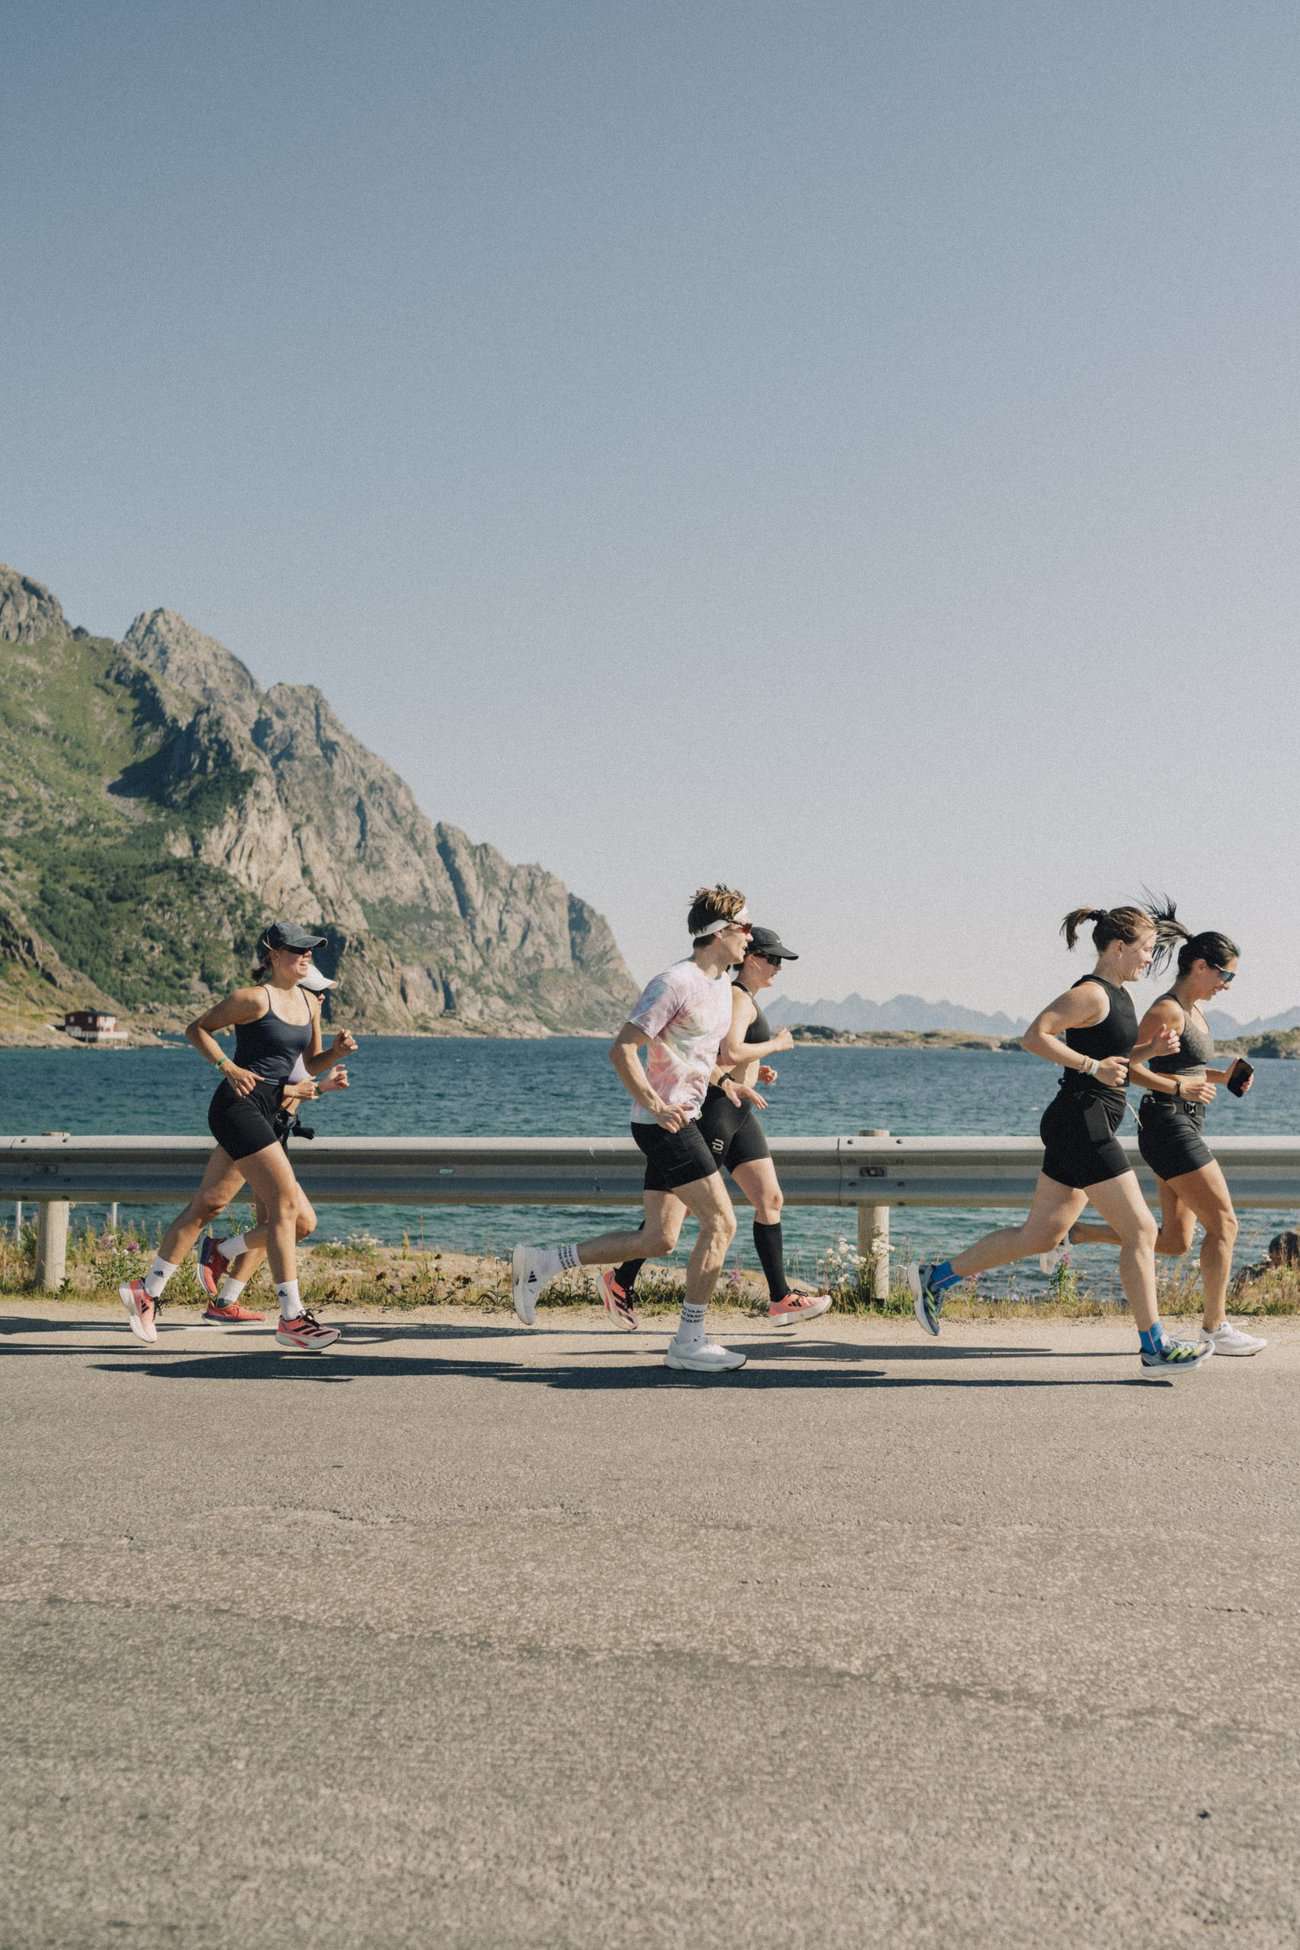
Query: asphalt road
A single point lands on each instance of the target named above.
(467, 1635)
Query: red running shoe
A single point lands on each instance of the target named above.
(800, 1306)
(143, 1310)
(306, 1334)
(218, 1314)
(617, 1303)
(213, 1266)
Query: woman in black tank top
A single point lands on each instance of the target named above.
(1179, 1086)
(275, 1023)
(1091, 1032)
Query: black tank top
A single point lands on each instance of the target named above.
(1115, 1035)
(760, 1030)
(1196, 1047)
(269, 1047)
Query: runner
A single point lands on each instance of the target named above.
(225, 1305)
(1171, 1121)
(681, 1019)
(273, 1024)
(735, 1136)
(1091, 1031)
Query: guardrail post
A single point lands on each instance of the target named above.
(873, 1238)
(52, 1244)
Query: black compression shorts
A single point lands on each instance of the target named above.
(1080, 1146)
(243, 1125)
(734, 1136)
(1169, 1136)
(673, 1158)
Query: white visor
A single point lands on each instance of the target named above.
(716, 927)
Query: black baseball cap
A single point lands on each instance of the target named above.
(766, 941)
(283, 934)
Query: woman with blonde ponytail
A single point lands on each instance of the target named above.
(1091, 1032)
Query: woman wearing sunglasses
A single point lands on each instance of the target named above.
(1171, 1121)
(737, 1139)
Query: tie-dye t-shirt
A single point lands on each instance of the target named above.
(686, 1014)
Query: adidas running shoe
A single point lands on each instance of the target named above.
(213, 1265)
(927, 1305)
(532, 1268)
(229, 1314)
(142, 1308)
(701, 1357)
(800, 1306)
(618, 1304)
(1174, 1358)
(1231, 1340)
(305, 1333)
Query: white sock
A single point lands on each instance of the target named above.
(157, 1277)
(568, 1258)
(232, 1248)
(230, 1290)
(691, 1327)
(286, 1292)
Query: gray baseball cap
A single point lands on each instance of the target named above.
(766, 941)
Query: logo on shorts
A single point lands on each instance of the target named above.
(718, 1145)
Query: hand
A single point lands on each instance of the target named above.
(669, 1117)
(782, 1040)
(1203, 1092)
(1112, 1071)
(766, 1074)
(242, 1082)
(335, 1079)
(744, 1095)
(1165, 1041)
(305, 1091)
(344, 1043)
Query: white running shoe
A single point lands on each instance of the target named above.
(532, 1268)
(1231, 1340)
(1048, 1262)
(701, 1357)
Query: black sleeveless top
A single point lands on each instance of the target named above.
(269, 1047)
(760, 1030)
(1114, 1036)
(1196, 1048)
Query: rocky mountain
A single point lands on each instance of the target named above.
(157, 806)
(902, 1012)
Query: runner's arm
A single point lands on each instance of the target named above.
(624, 1054)
(242, 1005)
(1079, 1008)
(1163, 1020)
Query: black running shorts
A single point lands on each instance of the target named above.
(243, 1125)
(673, 1158)
(1080, 1146)
(1169, 1136)
(734, 1135)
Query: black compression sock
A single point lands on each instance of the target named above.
(627, 1272)
(771, 1256)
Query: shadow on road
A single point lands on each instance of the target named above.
(334, 1368)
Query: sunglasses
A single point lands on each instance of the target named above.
(773, 961)
(1225, 975)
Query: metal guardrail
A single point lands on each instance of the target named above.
(871, 1173)
(848, 1171)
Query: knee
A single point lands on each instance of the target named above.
(657, 1242)
(305, 1220)
(207, 1205)
(1223, 1227)
(1144, 1234)
(719, 1229)
(769, 1210)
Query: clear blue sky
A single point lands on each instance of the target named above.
(844, 449)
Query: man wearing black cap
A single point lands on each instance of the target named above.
(737, 1139)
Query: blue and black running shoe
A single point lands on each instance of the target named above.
(927, 1301)
(1173, 1358)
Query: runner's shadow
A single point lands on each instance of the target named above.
(335, 1368)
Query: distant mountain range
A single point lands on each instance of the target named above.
(913, 1012)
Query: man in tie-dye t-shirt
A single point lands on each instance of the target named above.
(680, 1019)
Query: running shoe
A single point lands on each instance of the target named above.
(617, 1303)
(1174, 1358)
(800, 1306)
(1048, 1262)
(531, 1269)
(305, 1333)
(701, 1357)
(143, 1309)
(213, 1265)
(926, 1304)
(1231, 1340)
(220, 1316)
